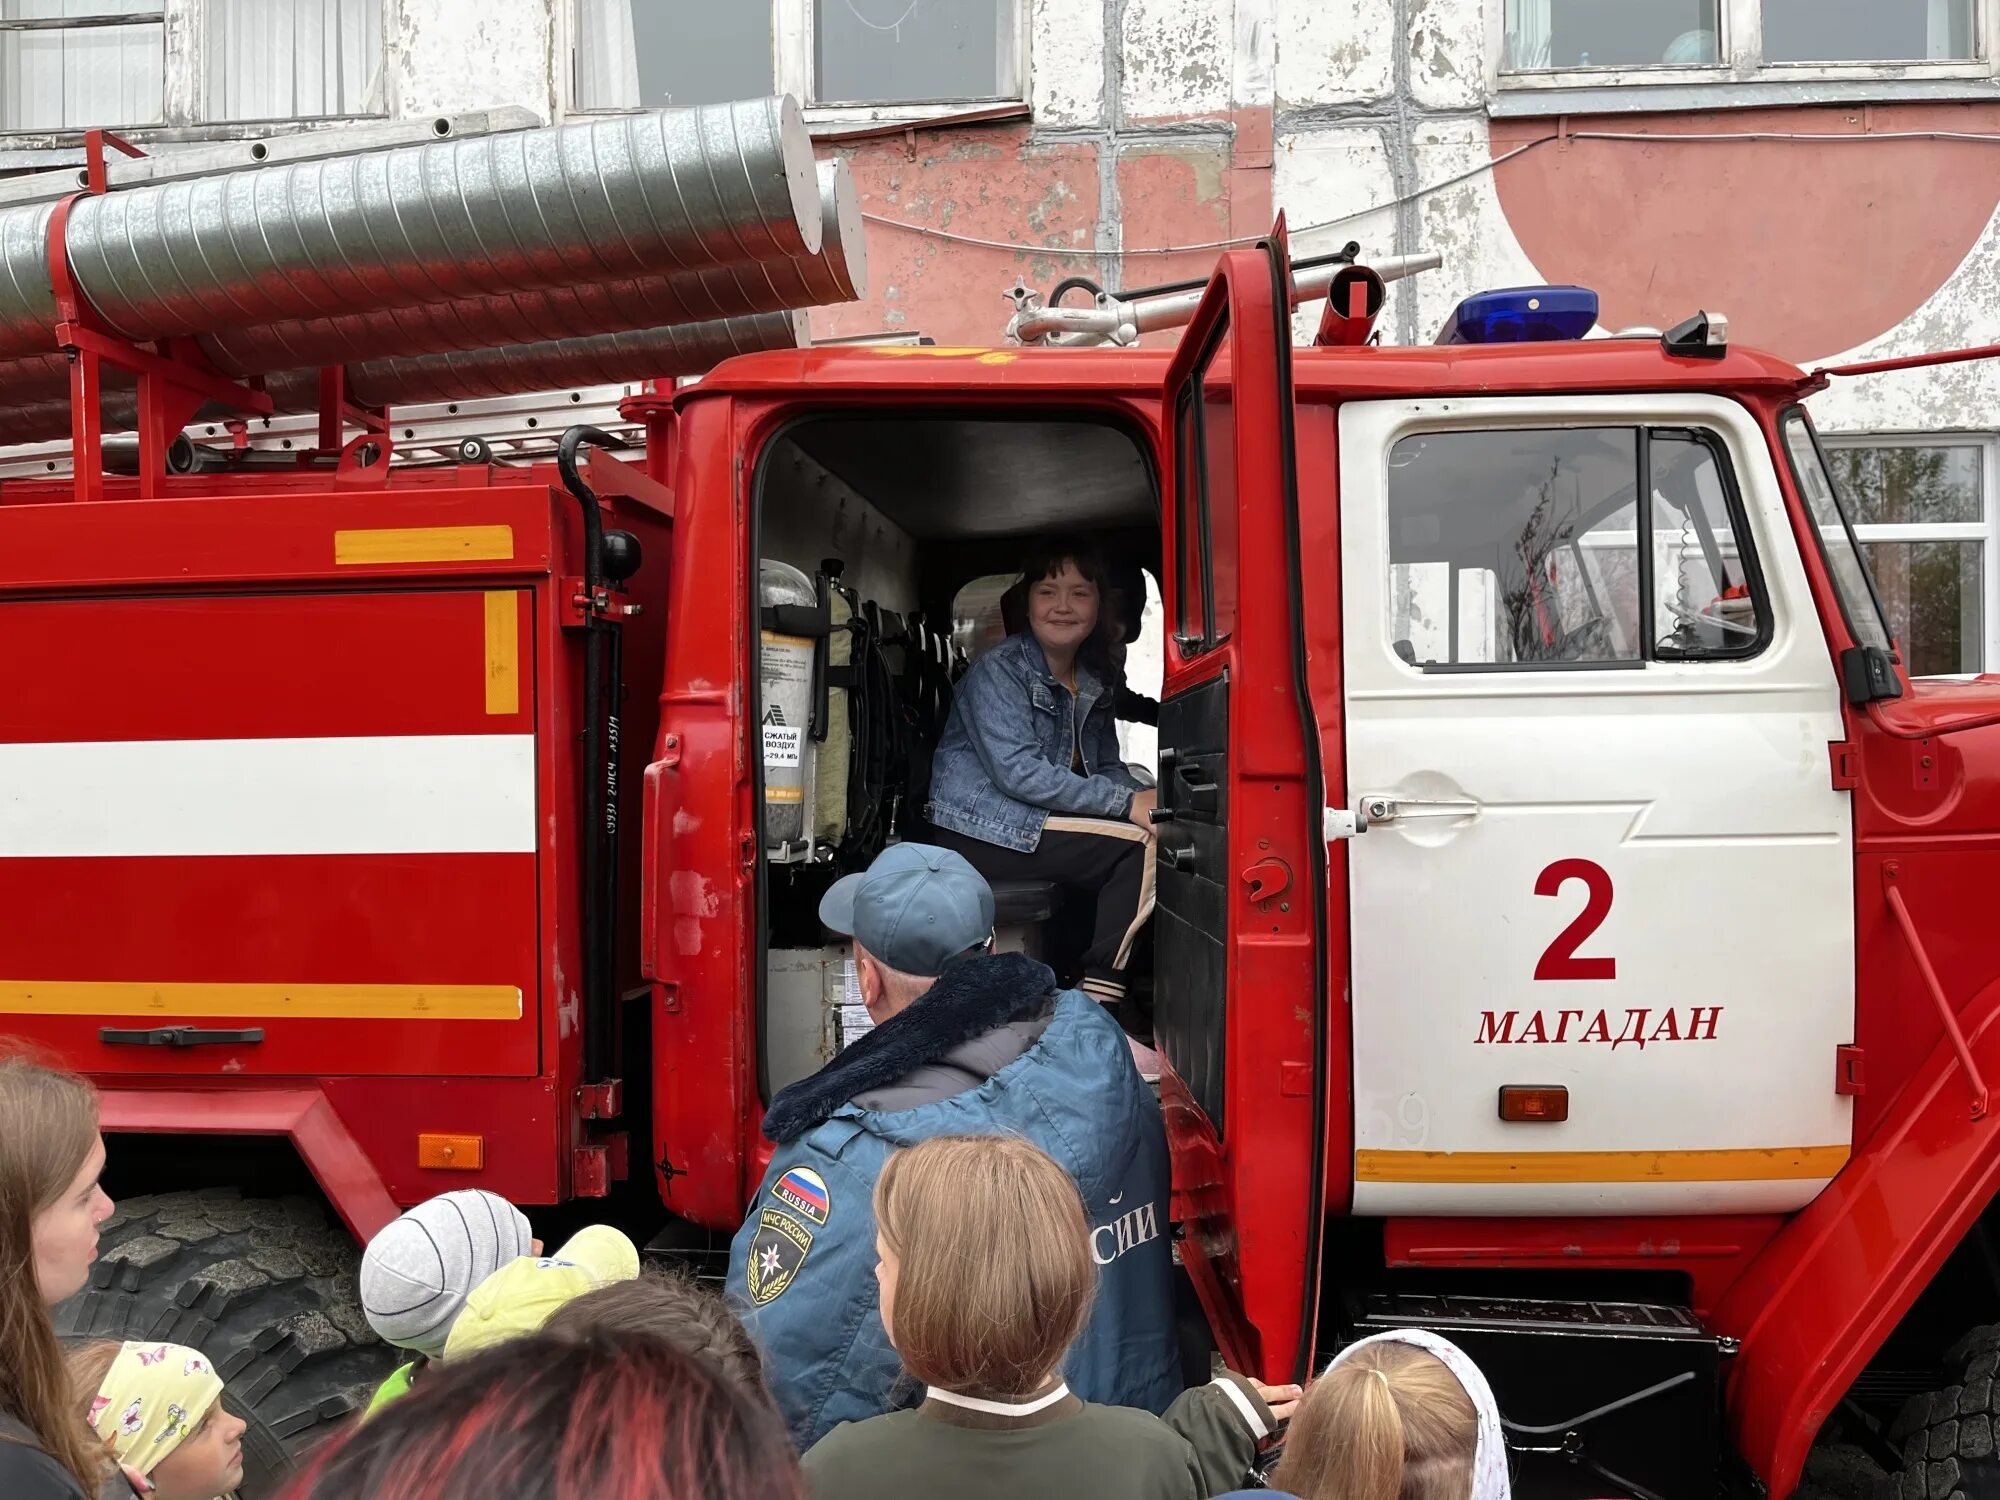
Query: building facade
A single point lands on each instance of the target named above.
(1823, 171)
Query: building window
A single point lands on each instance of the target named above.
(646, 54)
(68, 64)
(1867, 31)
(868, 57)
(1919, 511)
(1563, 42)
(914, 51)
(1591, 34)
(291, 59)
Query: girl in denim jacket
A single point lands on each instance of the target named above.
(1027, 783)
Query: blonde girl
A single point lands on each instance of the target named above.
(986, 1276)
(1401, 1416)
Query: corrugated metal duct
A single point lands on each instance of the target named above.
(605, 359)
(838, 272)
(485, 216)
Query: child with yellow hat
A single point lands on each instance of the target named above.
(158, 1408)
(462, 1272)
(525, 1293)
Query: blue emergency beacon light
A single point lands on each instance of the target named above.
(1522, 315)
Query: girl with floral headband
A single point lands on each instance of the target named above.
(158, 1408)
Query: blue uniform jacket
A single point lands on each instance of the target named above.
(802, 1268)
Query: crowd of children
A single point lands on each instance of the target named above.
(581, 1376)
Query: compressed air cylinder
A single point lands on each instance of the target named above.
(785, 678)
(835, 752)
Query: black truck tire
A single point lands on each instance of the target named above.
(267, 1288)
(1949, 1439)
(1837, 1470)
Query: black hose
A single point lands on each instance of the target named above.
(600, 772)
(1062, 287)
(572, 478)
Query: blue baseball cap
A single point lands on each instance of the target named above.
(916, 908)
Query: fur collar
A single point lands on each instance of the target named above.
(969, 999)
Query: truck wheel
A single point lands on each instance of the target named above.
(1947, 1438)
(266, 1288)
(1839, 1470)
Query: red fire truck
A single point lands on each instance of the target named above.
(1568, 924)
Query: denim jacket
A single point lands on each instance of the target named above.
(1003, 763)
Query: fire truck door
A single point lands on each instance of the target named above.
(1238, 819)
(1601, 906)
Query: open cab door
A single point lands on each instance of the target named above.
(1240, 923)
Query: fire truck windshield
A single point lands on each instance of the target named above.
(1858, 599)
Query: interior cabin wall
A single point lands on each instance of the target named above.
(810, 513)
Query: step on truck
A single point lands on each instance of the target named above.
(1571, 924)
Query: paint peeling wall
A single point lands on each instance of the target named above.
(1158, 129)
(473, 54)
(1369, 120)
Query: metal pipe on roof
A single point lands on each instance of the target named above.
(43, 377)
(493, 215)
(603, 359)
(838, 272)
(1116, 320)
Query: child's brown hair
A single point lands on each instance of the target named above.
(1389, 1422)
(669, 1305)
(88, 1365)
(994, 1273)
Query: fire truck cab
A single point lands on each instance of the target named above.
(1558, 877)
(1570, 927)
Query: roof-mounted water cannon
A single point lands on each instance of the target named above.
(1122, 319)
(1353, 302)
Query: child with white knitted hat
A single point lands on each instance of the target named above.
(462, 1272)
(418, 1271)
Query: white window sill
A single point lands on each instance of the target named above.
(1547, 95)
(833, 122)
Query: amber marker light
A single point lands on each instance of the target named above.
(452, 1153)
(1524, 1105)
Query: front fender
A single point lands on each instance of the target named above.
(1832, 1285)
(303, 1115)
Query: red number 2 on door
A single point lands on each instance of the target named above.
(1560, 960)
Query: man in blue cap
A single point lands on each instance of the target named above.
(966, 1042)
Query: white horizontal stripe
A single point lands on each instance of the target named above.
(388, 794)
(1243, 1407)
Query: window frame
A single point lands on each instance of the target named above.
(184, 95)
(1982, 531)
(1739, 77)
(64, 25)
(793, 29)
(1749, 554)
(1191, 511)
